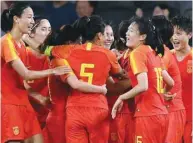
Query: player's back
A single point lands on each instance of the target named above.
(91, 64)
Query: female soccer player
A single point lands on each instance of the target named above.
(109, 36)
(146, 76)
(121, 126)
(19, 122)
(175, 106)
(59, 91)
(37, 61)
(183, 54)
(87, 114)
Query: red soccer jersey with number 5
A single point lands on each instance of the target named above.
(150, 102)
(92, 64)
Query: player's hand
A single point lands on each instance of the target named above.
(117, 53)
(104, 89)
(168, 96)
(61, 70)
(26, 85)
(117, 107)
(45, 101)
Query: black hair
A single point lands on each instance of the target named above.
(120, 42)
(16, 9)
(182, 23)
(164, 27)
(153, 37)
(89, 26)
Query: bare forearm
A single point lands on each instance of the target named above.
(35, 95)
(37, 74)
(132, 93)
(85, 87)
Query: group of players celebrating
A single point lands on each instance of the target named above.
(69, 87)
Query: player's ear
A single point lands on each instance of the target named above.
(143, 37)
(189, 35)
(100, 36)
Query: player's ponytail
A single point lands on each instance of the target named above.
(154, 39)
(88, 27)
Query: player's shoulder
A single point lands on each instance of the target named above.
(142, 50)
(5, 39)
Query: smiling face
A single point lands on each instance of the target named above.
(42, 30)
(133, 36)
(180, 39)
(108, 37)
(25, 21)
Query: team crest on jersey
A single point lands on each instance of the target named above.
(189, 66)
(16, 130)
(114, 136)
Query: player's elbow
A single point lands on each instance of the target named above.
(143, 87)
(75, 85)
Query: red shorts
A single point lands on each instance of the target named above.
(54, 132)
(151, 129)
(176, 125)
(188, 132)
(84, 124)
(122, 129)
(18, 123)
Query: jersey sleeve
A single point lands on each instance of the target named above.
(138, 61)
(61, 51)
(115, 67)
(8, 51)
(62, 62)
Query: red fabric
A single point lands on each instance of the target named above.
(152, 129)
(176, 126)
(185, 67)
(150, 102)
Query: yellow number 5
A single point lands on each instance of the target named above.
(85, 74)
(159, 77)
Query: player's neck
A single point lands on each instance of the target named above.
(181, 54)
(16, 34)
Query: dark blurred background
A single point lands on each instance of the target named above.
(61, 13)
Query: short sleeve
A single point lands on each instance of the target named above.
(61, 51)
(115, 67)
(138, 61)
(61, 62)
(8, 51)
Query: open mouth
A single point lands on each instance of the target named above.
(176, 43)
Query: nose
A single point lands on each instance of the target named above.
(32, 21)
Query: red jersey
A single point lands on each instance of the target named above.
(13, 91)
(38, 63)
(58, 90)
(128, 104)
(173, 70)
(150, 102)
(92, 64)
(185, 67)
